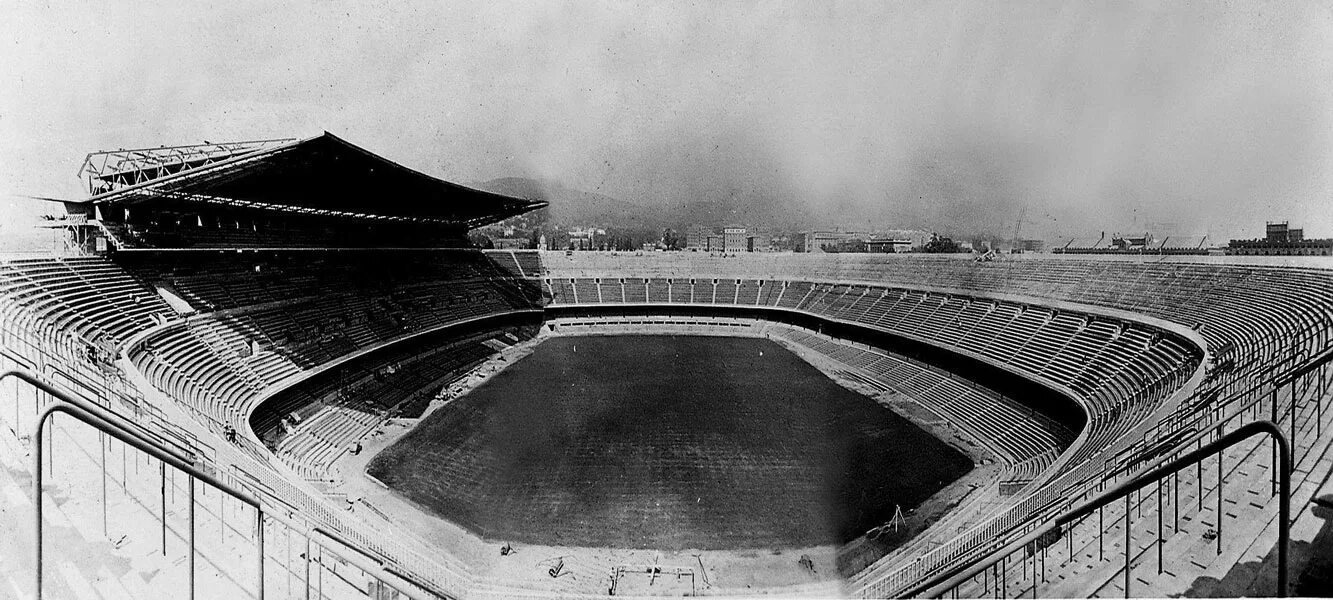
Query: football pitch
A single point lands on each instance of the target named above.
(667, 442)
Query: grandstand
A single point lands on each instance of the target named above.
(243, 308)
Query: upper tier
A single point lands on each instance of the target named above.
(316, 192)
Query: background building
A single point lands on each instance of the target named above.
(735, 240)
(893, 240)
(1280, 239)
(1280, 231)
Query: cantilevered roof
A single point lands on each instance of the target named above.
(321, 175)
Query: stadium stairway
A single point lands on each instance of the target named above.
(1193, 564)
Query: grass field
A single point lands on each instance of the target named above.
(669, 443)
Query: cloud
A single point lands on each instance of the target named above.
(951, 116)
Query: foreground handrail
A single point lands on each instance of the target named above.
(938, 585)
(111, 424)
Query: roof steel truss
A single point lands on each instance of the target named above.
(113, 169)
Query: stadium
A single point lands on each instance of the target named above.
(278, 369)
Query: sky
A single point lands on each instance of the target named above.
(952, 116)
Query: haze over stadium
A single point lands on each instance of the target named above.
(581, 300)
(940, 116)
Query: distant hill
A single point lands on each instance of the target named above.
(571, 207)
(754, 213)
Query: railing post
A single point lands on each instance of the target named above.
(1284, 512)
(1069, 538)
(1199, 477)
(51, 448)
(101, 443)
(1101, 533)
(17, 425)
(1159, 527)
(1128, 564)
(162, 489)
(1034, 574)
(1292, 437)
(1220, 516)
(308, 558)
(1175, 502)
(259, 543)
(189, 513)
(37, 504)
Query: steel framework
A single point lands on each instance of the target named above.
(110, 170)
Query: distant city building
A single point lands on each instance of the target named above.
(896, 240)
(587, 233)
(784, 242)
(879, 245)
(590, 238)
(1280, 231)
(1280, 239)
(730, 241)
(818, 241)
(696, 238)
(1030, 245)
(735, 240)
(511, 243)
(1132, 243)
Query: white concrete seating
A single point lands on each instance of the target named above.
(1015, 433)
(1109, 364)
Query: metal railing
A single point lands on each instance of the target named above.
(1257, 386)
(946, 582)
(114, 426)
(1229, 410)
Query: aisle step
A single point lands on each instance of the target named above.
(76, 582)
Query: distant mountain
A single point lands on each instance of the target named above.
(571, 207)
(753, 213)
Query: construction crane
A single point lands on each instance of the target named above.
(1018, 228)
